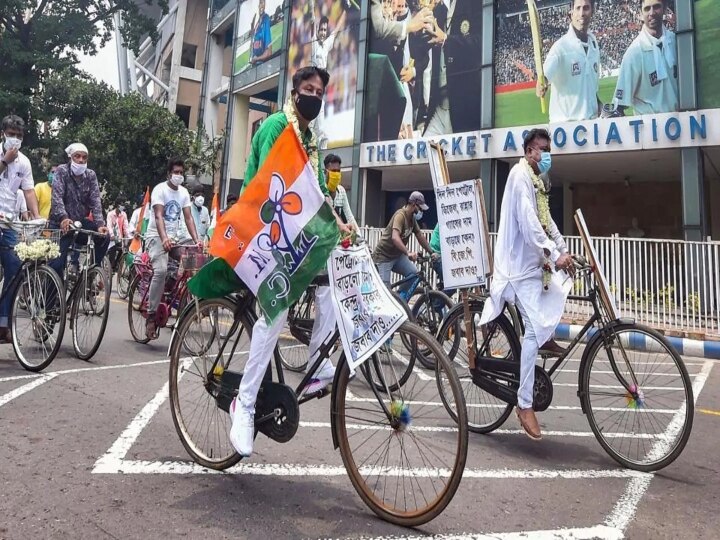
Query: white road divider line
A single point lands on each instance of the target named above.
(41, 379)
(600, 532)
(85, 369)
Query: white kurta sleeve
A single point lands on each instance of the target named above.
(528, 222)
(556, 237)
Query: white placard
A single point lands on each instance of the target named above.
(463, 244)
(367, 315)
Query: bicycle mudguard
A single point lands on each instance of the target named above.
(333, 400)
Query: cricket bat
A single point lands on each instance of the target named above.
(537, 47)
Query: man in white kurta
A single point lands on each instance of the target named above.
(523, 247)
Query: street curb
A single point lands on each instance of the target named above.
(684, 346)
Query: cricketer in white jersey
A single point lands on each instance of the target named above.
(573, 69)
(648, 75)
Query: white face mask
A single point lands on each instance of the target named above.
(78, 169)
(199, 201)
(177, 179)
(12, 142)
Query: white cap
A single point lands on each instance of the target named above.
(76, 147)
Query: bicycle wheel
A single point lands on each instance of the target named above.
(194, 385)
(388, 364)
(124, 277)
(37, 317)
(428, 311)
(404, 453)
(89, 313)
(497, 340)
(644, 428)
(137, 307)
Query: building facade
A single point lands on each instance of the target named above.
(630, 99)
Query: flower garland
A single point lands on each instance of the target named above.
(312, 149)
(39, 249)
(542, 197)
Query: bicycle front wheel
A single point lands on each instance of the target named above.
(123, 278)
(403, 451)
(428, 311)
(89, 313)
(137, 307)
(195, 379)
(38, 317)
(637, 395)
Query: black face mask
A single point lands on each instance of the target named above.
(308, 106)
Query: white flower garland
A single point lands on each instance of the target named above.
(542, 197)
(37, 250)
(291, 115)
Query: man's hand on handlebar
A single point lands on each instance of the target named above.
(65, 224)
(566, 262)
(167, 244)
(103, 230)
(412, 255)
(434, 256)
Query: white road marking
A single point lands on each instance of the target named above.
(41, 379)
(82, 370)
(601, 532)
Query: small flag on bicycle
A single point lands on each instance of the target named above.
(142, 223)
(214, 213)
(276, 238)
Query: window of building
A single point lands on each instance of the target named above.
(256, 126)
(187, 58)
(183, 111)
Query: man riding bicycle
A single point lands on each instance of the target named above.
(303, 107)
(170, 203)
(15, 174)
(75, 196)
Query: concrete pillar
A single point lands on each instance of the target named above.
(176, 54)
(214, 70)
(568, 221)
(374, 199)
(693, 183)
(238, 136)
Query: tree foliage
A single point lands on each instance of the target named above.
(41, 37)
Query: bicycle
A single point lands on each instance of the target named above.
(427, 305)
(184, 262)
(618, 394)
(409, 413)
(122, 267)
(36, 326)
(88, 292)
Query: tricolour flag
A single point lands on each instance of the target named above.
(276, 238)
(142, 222)
(214, 214)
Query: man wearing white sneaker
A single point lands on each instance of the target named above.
(303, 107)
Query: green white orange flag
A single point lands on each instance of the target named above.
(214, 214)
(276, 238)
(142, 223)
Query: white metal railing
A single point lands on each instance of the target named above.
(666, 284)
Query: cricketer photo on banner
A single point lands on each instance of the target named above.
(276, 238)
(573, 60)
(325, 33)
(260, 31)
(366, 313)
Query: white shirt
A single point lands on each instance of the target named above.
(134, 221)
(519, 259)
(18, 175)
(20, 204)
(174, 201)
(648, 75)
(573, 69)
(450, 5)
(320, 51)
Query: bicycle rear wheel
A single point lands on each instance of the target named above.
(89, 313)
(124, 276)
(403, 451)
(38, 317)
(646, 426)
(295, 339)
(137, 307)
(195, 385)
(497, 340)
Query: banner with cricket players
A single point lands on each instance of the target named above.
(707, 49)
(561, 61)
(325, 33)
(260, 30)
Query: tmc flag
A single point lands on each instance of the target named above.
(276, 238)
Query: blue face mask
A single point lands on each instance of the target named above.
(418, 215)
(545, 162)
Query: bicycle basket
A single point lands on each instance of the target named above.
(192, 260)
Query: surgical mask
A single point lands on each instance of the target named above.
(199, 201)
(78, 169)
(418, 215)
(51, 178)
(308, 106)
(177, 179)
(121, 208)
(12, 142)
(545, 162)
(333, 180)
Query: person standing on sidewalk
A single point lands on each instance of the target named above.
(528, 254)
